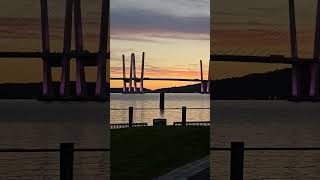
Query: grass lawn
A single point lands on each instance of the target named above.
(147, 152)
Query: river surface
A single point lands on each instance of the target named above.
(146, 107)
(267, 124)
(33, 124)
(30, 124)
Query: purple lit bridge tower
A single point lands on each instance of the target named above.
(83, 58)
(133, 75)
(62, 59)
(305, 72)
(205, 85)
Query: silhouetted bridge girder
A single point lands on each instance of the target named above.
(54, 58)
(273, 59)
(160, 79)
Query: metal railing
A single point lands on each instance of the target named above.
(66, 156)
(183, 122)
(237, 156)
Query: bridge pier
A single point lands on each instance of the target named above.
(80, 76)
(131, 71)
(134, 73)
(201, 78)
(101, 86)
(142, 74)
(295, 75)
(124, 89)
(65, 75)
(47, 76)
(209, 79)
(314, 68)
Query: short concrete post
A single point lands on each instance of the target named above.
(162, 101)
(237, 155)
(66, 161)
(184, 116)
(130, 116)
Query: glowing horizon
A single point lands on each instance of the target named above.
(174, 41)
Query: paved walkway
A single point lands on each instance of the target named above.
(187, 171)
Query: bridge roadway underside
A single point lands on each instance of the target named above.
(273, 59)
(160, 79)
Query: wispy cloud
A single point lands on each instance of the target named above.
(149, 22)
(132, 23)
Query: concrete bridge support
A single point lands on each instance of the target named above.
(295, 75)
(133, 80)
(80, 78)
(142, 74)
(209, 79)
(314, 68)
(205, 85)
(133, 60)
(124, 89)
(201, 77)
(47, 89)
(101, 86)
(65, 62)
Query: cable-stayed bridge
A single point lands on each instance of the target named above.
(62, 59)
(133, 80)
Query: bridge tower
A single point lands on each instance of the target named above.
(204, 88)
(142, 74)
(305, 78)
(80, 78)
(124, 89)
(74, 6)
(46, 66)
(295, 75)
(314, 68)
(209, 79)
(133, 75)
(201, 77)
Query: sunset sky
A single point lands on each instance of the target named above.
(174, 34)
(258, 27)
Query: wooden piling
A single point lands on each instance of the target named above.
(66, 161)
(184, 116)
(130, 116)
(237, 155)
(162, 101)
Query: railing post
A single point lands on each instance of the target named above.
(162, 101)
(130, 116)
(184, 116)
(237, 155)
(66, 161)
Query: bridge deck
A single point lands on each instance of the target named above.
(72, 54)
(160, 79)
(274, 59)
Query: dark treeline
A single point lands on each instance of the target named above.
(276, 84)
(254, 86)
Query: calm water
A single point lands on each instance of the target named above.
(267, 124)
(147, 107)
(32, 125)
